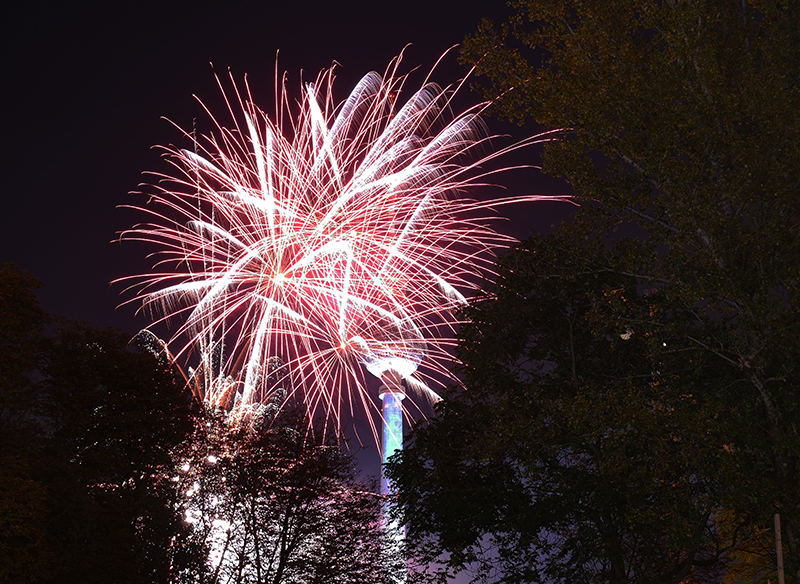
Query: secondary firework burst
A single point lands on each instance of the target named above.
(299, 249)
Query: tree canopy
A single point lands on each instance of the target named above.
(269, 502)
(109, 472)
(630, 407)
(87, 422)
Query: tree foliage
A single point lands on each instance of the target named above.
(88, 422)
(114, 414)
(631, 404)
(110, 473)
(270, 503)
(21, 324)
(583, 451)
(24, 553)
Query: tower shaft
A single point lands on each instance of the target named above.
(392, 431)
(392, 396)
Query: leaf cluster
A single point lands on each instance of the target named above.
(87, 422)
(631, 403)
(583, 449)
(272, 503)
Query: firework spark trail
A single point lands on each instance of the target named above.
(332, 239)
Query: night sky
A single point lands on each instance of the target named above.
(87, 88)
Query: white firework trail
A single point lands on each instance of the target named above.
(331, 238)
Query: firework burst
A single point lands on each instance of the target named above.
(300, 249)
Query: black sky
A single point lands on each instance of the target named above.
(87, 84)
